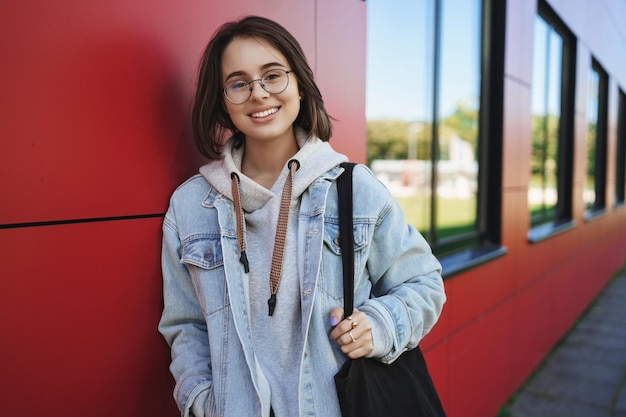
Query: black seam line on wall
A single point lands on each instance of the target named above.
(76, 221)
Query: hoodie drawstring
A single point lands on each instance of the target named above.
(281, 231)
(281, 235)
(243, 258)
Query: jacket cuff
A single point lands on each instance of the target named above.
(198, 408)
(380, 338)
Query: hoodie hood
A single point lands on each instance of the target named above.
(315, 158)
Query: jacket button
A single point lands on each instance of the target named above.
(208, 256)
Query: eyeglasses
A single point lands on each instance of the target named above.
(274, 82)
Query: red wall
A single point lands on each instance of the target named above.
(94, 125)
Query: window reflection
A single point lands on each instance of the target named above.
(546, 114)
(399, 120)
(592, 129)
(459, 100)
(424, 136)
(594, 193)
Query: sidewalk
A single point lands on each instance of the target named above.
(585, 375)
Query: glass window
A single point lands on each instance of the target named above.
(398, 119)
(620, 177)
(456, 119)
(594, 193)
(552, 109)
(546, 114)
(425, 83)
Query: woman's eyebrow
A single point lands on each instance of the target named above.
(263, 67)
(235, 74)
(272, 64)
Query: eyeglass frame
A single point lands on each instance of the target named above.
(249, 83)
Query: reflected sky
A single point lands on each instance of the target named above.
(400, 57)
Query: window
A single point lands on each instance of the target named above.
(551, 165)
(620, 175)
(595, 186)
(434, 116)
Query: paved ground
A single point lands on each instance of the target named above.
(585, 376)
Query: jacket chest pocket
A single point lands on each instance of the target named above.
(331, 277)
(203, 256)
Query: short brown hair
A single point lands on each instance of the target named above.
(209, 118)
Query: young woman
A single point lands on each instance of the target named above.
(251, 264)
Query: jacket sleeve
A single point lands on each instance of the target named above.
(407, 293)
(183, 326)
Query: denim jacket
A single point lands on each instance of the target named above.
(205, 319)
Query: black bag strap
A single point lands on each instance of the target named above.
(346, 237)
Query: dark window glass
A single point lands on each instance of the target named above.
(620, 175)
(595, 185)
(552, 112)
(546, 114)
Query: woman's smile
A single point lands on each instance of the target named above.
(263, 114)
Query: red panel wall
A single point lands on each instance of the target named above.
(80, 304)
(96, 97)
(94, 126)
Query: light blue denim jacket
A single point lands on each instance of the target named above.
(205, 319)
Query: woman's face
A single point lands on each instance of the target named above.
(264, 116)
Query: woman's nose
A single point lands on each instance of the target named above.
(256, 90)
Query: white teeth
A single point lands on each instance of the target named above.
(264, 113)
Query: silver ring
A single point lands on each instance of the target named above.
(351, 337)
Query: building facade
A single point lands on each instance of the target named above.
(514, 121)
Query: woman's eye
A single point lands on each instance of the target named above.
(238, 85)
(272, 76)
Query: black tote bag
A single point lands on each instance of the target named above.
(367, 387)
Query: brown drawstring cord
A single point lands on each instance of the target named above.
(243, 258)
(281, 231)
(281, 235)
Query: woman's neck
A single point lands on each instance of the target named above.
(263, 162)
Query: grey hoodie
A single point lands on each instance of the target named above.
(277, 339)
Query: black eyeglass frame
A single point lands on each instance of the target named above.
(249, 84)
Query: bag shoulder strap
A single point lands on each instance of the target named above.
(346, 237)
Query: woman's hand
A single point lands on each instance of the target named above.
(354, 333)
